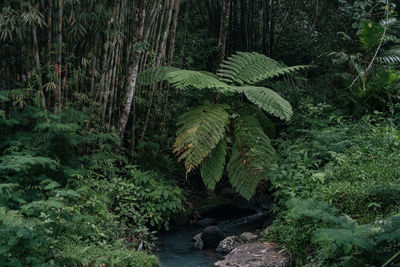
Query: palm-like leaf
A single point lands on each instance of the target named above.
(269, 101)
(154, 75)
(252, 156)
(184, 79)
(389, 56)
(201, 129)
(370, 35)
(213, 166)
(252, 68)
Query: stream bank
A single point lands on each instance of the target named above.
(176, 247)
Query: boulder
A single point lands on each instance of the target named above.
(256, 255)
(211, 236)
(206, 222)
(248, 237)
(228, 244)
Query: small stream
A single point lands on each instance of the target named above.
(176, 246)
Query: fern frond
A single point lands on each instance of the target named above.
(252, 68)
(269, 101)
(184, 79)
(252, 156)
(213, 166)
(201, 129)
(3, 96)
(266, 124)
(23, 163)
(390, 56)
(154, 75)
(371, 34)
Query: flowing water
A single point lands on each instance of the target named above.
(176, 246)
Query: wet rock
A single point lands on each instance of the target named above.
(228, 244)
(206, 222)
(248, 237)
(197, 237)
(211, 236)
(256, 255)
(198, 242)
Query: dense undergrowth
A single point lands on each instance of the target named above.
(337, 189)
(87, 136)
(66, 199)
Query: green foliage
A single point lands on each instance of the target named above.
(252, 68)
(296, 226)
(67, 199)
(269, 101)
(154, 75)
(252, 156)
(185, 79)
(106, 255)
(370, 35)
(372, 86)
(201, 129)
(213, 166)
(345, 246)
(331, 169)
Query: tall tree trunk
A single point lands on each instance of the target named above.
(133, 71)
(173, 34)
(163, 45)
(37, 63)
(223, 30)
(59, 54)
(170, 58)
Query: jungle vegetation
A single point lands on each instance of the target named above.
(115, 114)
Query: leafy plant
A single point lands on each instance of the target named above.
(206, 133)
(376, 82)
(66, 198)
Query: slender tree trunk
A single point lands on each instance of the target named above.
(133, 71)
(223, 30)
(173, 34)
(163, 45)
(59, 54)
(37, 63)
(170, 58)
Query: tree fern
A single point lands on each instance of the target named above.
(252, 68)
(266, 124)
(252, 156)
(269, 101)
(201, 129)
(154, 75)
(213, 166)
(188, 78)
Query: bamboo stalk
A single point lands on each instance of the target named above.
(141, 8)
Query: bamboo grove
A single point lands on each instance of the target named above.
(87, 54)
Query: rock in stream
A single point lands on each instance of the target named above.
(258, 254)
